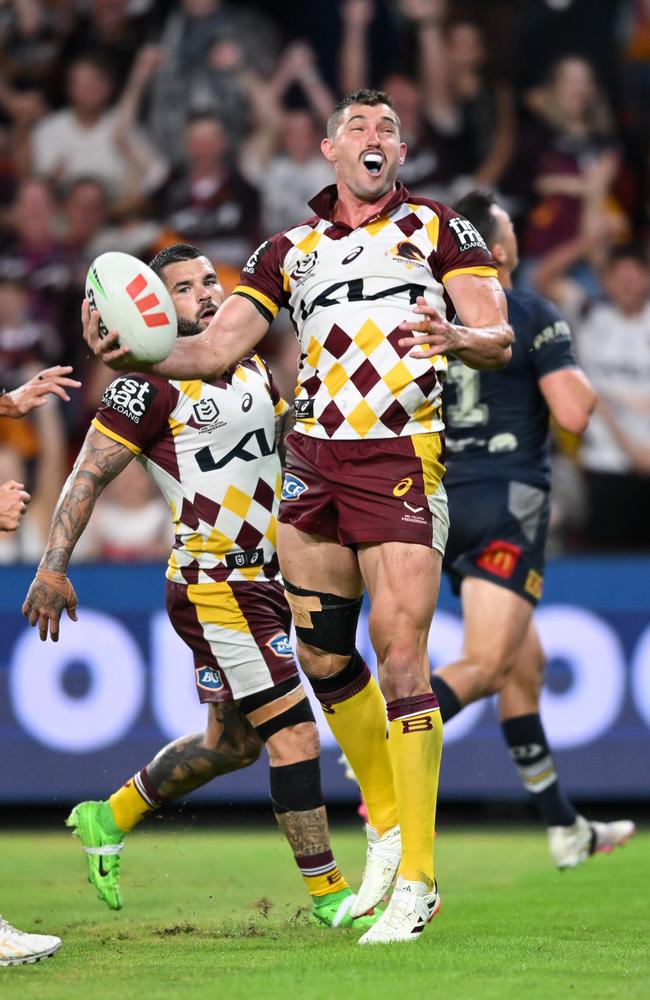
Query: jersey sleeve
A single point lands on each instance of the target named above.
(460, 249)
(550, 348)
(262, 280)
(134, 410)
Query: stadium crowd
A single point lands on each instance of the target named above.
(134, 124)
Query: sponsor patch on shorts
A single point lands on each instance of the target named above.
(534, 584)
(499, 558)
(208, 679)
(292, 487)
(280, 645)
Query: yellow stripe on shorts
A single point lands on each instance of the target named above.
(216, 604)
(428, 448)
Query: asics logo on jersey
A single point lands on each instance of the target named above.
(130, 396)
(205, 411)
(352, 255)
(292, 487)
(207, 463)
(280, 645)
(147, 302)
(208, 678)
(355, 293)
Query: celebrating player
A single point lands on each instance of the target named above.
(211, 448)
(498, 482)
(18, 947)
(363, 504)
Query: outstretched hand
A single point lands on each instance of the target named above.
(106, 348)
(46, 598)
(34, 393)
(436, 334)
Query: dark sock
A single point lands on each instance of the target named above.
(530, 753)
(449, 703)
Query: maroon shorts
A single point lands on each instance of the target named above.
(386, 490)
(238, 633)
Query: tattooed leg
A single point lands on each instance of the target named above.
(229, 743)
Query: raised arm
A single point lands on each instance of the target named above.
(99, 461)
(235, 329)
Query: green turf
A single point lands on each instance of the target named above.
(216, 914)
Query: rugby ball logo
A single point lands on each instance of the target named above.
(132, 300)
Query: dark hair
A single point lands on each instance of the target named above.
(627, 251)
(368, 97)
(476, 207)
(173, 255)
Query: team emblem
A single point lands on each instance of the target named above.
(208, 678)
(305, 266)
(292, 487)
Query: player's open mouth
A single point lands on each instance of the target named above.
(208, 312)
(373, 162)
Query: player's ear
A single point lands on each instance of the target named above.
(327, 149)
(402, 153)
(498, 252)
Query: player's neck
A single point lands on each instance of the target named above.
(353, 211)
(504, 274)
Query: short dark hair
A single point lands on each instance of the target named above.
(476, 207)
(173, 255)
(627, 251)
(369, 97)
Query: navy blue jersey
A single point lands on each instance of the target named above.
(497, 422)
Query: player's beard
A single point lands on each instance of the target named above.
(188, 327)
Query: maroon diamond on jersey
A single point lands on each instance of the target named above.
(248, 537)
(188, 515)
(264, 495)
(410, 224)
(312, 385)
(207, 510)
(190, 573)
(365, 377)
(331, 418)
(337, 342)
(395, 417)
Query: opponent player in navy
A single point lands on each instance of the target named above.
(498, 481)
(210, 446)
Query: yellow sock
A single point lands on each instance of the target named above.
(321, 874)
(415, 741)
(356, 714)
(132, 802)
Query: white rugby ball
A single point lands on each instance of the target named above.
(134, 302)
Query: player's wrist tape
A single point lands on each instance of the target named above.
(61, 584)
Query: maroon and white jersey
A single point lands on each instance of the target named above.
(210, 447)
(347, 291)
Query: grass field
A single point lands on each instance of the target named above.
(222, 914)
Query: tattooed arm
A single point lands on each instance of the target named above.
(99, 461)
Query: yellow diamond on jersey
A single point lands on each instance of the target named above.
(362, 419)
(369, 338)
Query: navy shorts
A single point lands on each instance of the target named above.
(498, 532)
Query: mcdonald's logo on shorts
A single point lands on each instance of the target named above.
(499, 558)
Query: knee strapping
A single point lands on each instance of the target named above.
(296, 787)
(348, 682)
(325, 621)
(259, 709)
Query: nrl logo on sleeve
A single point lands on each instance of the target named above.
(467, 237)
(208, 678)
(130, 396)
(280, 645)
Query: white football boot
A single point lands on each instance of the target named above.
(571, 845)
(382, 861)
(410, 909)
(17, 947)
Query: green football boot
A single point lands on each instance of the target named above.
(102, 841)
(333, 910)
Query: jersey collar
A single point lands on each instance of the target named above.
(323, 205)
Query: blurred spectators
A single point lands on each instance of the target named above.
(90, 138)
(207, 201)
(282, 156)
(206, 47)
(568, 162)
(613, 342)
(109, 31)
